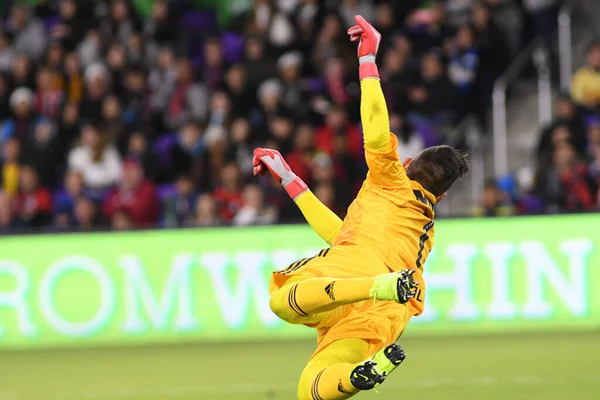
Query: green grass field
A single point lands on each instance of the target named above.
(551, 367)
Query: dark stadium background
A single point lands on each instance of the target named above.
(142, 115)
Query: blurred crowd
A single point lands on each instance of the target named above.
(116, 116)
(567, 178)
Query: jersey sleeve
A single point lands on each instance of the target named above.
(385, 168)
(320, 218)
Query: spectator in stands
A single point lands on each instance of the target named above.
(463, 63)
(593, 137)
(427, 29)
(134, 97)
(72, 25)
(508, 16)
(213, 70)
(189, 100)
(28, 32)
(434, 97)
(122, 221)
(240, 146)
(294, 94)
(48, 97)
(21, 103)
(594, 170)
(494, 202)
(73, 79)
(89, 50)
(116, 62)
(97, 84)
(7, 221)
(544, 14)
(7, 52)
(45, 152)
(565, 185)
(22, 74)
(566, 120)
(64, 199)
(135, 195)
(138, 149)
(33, 204)
(494, 54)
(178, 207)
(161, 27)
(254, 211)
(206, 212)
(161, 83)
(241, 95)
(396, 79)
(219, 118)
(113, 125)
(85, 214)
(4, 99)
(386, 23)
(336, 86)
(337, 123)
(300, 159)
(228, 193)
(121, 22)
(96, 159)
(189, 156)
(324, 177)
(258, 65)
(54, 61)
(69, 125)
(585, 88)
(11, 154)
(410, 142)
(349, 8)
(331, 42)
(137, 53)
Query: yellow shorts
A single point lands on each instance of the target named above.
(378, 322)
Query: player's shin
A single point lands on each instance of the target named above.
(331, 383)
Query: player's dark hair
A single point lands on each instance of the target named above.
(437, 168)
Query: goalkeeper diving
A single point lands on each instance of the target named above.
(360, 293)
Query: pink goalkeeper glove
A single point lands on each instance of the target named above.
(368, 44)
(272, 161)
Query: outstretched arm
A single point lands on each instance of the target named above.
(321, 219)
(385, 169)
(374, 116)
(373, 108)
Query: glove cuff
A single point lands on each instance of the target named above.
(295, 188)
(368, 70)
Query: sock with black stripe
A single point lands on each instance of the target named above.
(318, 295)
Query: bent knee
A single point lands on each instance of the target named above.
(305, 385)
(279, 307)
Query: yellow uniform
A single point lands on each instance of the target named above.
(388, 227)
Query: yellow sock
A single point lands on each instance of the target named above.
(318, 295)
(327, 375)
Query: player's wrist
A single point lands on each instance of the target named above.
(368, 70)
(295, 188)
(367, 59)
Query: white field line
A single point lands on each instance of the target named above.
(207, 390)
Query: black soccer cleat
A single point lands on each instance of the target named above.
(366, 377)
(373, 372)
